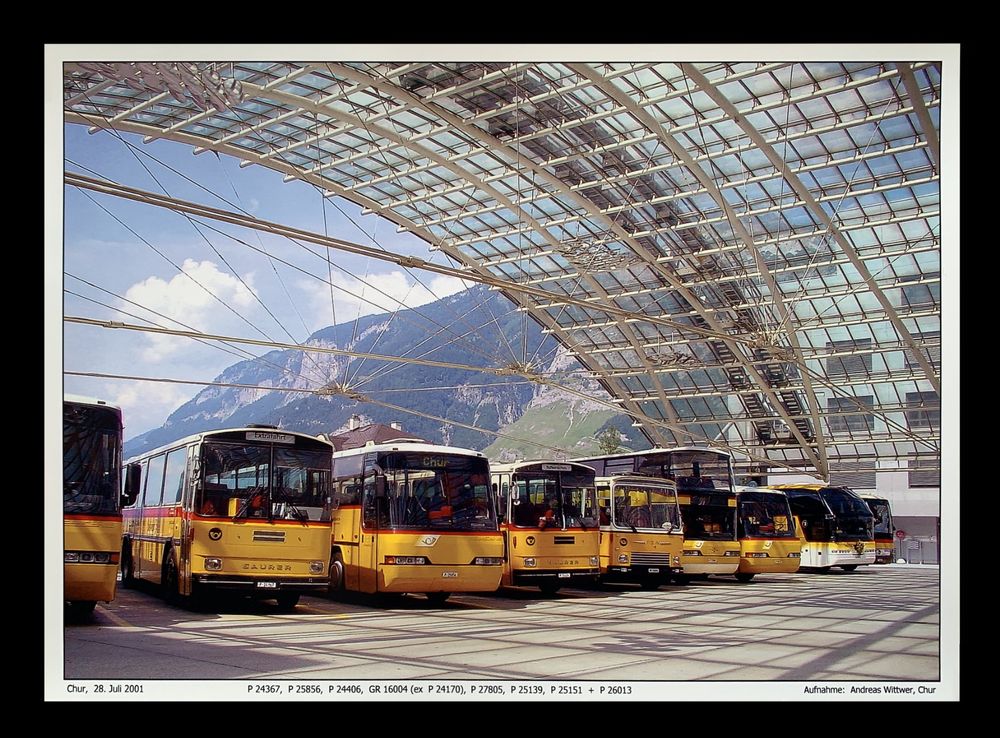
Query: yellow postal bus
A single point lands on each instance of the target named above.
(92, 500)
(414, 517)
(641, 533)
(835, 526)
(241, 511)
(769, 542)
(705, 491)
(885, 529)
(549, 523)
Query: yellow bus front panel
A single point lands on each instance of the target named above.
(637, 557)
(432, 561)
(259, 556)
(92, 544)
(535, 557)
(710, 557)
(769, 555)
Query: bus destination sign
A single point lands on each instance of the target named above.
(270, 437)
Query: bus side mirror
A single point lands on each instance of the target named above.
(133, 476)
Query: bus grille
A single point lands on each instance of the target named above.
(564, 539)
(270, 536)
(651, 558)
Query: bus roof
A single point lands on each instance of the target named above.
(205, 434)
(514, 466)
(654, 451)
(84, 400)
(427, 448)
(637, 479)
(810, 487)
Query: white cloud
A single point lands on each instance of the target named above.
(145, 405)
(184, 300)
(378, 293)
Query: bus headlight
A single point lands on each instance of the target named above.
(316, 567)
(488, 561)
(691, 552)
(529, 562)
(733, 553)
(86, 557)
(622, 558)
(795, 555)
(595, 561)
(72, 556)
(406, 560)
(677, 560)
(754, 555)
(213, 564)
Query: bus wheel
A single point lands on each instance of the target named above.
(287, 600)
(650, 583)
(438, 598)
(549, 588)
(128, 566)
(743, 577)
(849, 567)
(336, 586)
(80, 609)
(169, 581)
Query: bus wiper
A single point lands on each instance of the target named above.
(296, 514)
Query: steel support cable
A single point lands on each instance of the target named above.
(386, 370)
(149, 198)
(399, 408)
(110, 324)
(229, 266)
(232, 350)
(346, 215)
(291, 390)
(320, 279)
(399, 184)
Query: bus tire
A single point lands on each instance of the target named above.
(438, 598)
(128, 566)
(287, 600)
(170, 583)
(549, 588)
(744, 577)
(849, 567)
(336, 585)
(80, 609)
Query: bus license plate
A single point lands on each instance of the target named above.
(449, 574)
(267, 585)
(653, 570)
(563, 575)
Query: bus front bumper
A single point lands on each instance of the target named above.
(439, 578)
(639, 572)
(530, 577)
(260, 586)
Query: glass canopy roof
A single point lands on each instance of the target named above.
(743, 254)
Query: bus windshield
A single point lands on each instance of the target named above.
(435, 490)
(765, 515)
(91, 460)
(708, 516)
(563, 500)
(641, 506)
(854, 520)
(268, 481)
(883, 517)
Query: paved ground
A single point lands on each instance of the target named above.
(781, 632)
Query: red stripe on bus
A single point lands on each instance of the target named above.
(422, 532)
(80, 516)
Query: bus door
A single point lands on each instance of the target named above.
(373, 511)
(186, 499)
(149, 529)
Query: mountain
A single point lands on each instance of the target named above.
(477, 327)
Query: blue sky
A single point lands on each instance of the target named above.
(121, 258)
